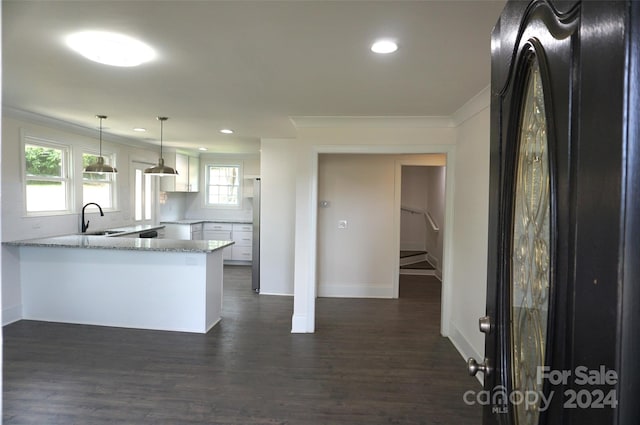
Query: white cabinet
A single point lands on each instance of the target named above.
(183, 231)
(188, 168)
(243, 237)
(194, 174)
(241, 234)
(218, 232)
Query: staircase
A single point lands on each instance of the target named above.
(416, 263)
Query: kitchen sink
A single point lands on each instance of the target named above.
(103, 232)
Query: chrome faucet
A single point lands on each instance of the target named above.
(85, 226)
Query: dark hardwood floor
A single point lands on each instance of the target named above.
(370, 362)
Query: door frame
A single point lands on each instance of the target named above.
(447, 266)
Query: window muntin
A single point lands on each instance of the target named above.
(223, 185)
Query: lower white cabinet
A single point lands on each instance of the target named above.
(218, 232)
(240, 233)
(183, 231)
(243, 237)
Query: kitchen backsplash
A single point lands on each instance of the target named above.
(179, 206)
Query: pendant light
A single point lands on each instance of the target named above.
(161, 169)
(100, 167)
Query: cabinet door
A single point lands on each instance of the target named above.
(177, 231)
(194, 173)
(182, 167)
(241, 253)
(242, 238)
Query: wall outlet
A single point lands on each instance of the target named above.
(342, 224)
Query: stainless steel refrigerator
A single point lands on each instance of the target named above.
(255, 256)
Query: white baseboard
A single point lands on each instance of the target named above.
(279, 294)
(337, 290)
(464, 347)
(413, 259)
(11, 314)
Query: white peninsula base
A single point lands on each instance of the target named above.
(175, 291)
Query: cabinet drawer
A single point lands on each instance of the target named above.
(242, 227)
(243, 238)
(212, 235)
(218, 226)
(241, 253)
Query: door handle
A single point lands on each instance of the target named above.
(475, 367)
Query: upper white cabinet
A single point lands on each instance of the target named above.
(188, 168)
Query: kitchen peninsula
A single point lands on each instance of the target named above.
(162, 284)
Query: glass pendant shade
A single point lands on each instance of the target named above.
(161, 169)
(100, 167)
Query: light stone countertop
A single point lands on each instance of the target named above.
(131, 244)
(196, 221)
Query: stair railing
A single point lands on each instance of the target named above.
(427, 216)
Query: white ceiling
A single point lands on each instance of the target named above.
(246, 65)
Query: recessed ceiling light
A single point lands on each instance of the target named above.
(110, 48)
(140, 129)
(384, 46)
(203, 149)
(226, 131)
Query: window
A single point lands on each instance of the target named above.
(143, 190)
(46, 168)
(98, 188)
(223, 185)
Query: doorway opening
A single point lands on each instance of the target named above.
(422, 206)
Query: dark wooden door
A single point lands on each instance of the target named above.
(563, 286)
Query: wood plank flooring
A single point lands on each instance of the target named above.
(369, 362)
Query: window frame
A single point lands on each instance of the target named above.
(207, 186)
(65, 171)
(110, 158)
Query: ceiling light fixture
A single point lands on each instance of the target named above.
(161, 169)
(203, 149)
(384, 47)
(140, 129)
(100, 167)
(226, 131)
(110, 48)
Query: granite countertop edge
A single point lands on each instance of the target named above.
(123, 244)
(198, 221)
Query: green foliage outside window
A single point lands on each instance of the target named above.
(43, 162)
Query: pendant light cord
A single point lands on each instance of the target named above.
(101, 117)
(162, 120)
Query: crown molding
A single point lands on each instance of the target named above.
(371, 122)
(80, 130)
(475, 105)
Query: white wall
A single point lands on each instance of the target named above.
(381, 136)
(16, 225)
(357, 261)
(277, 216)
(471, 216)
